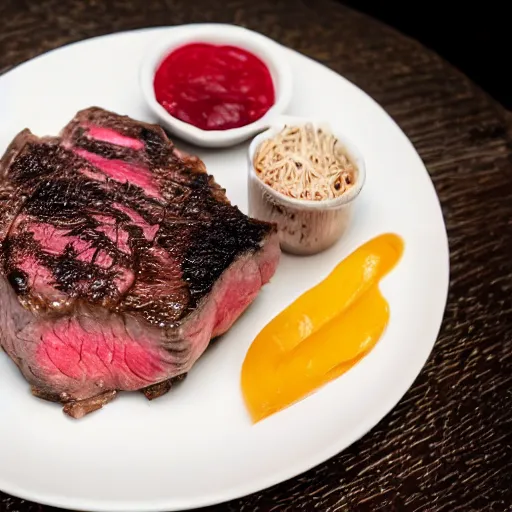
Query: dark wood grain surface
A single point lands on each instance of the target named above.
(447, 446)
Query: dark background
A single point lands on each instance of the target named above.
(474, 37)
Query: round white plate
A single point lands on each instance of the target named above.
(196, 446)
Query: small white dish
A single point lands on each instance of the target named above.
(270, 52)
(305, 226)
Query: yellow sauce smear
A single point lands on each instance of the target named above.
(323, 333)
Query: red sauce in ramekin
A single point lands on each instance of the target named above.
(214, 87)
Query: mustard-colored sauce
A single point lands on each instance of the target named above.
(321, 335)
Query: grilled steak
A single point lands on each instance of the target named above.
(120, 258)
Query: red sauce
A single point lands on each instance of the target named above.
(214, 87)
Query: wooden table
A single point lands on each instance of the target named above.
(447, 446)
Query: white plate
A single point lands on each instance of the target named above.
(196, 446)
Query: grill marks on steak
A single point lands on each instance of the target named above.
(197, 215)
(60, 241)
(123, 172)
(121, 257)
(95, 132)
(73, 226)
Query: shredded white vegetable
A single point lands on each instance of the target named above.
(305, 163)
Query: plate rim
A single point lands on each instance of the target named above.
(333, 450)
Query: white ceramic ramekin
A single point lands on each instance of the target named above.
(305, 226)
(270, 52)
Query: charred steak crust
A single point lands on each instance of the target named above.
(124, 256)
(157, 147)
(197, 230)
(214, 247)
